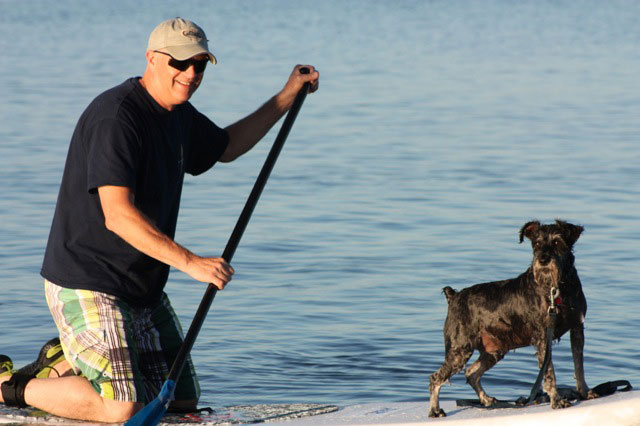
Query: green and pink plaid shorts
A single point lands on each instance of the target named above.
(124, 352)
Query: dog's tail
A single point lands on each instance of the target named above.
(449, 293)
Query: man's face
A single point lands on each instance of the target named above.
(176, 80)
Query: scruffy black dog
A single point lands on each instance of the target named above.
(497, 317)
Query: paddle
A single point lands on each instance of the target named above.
(153, 412)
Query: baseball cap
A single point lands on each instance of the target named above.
(180, 38)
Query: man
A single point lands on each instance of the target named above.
(111, 242)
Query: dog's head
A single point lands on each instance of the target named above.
(552, 249)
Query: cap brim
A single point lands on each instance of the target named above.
(182, 53)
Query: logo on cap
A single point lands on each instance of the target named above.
(193, 34)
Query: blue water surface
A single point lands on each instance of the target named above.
(439, 129)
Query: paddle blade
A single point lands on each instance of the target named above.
(151, 414)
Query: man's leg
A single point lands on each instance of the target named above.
(19, 385)
(75, 398)
(95, 332)
(49, 384)
(92, 327)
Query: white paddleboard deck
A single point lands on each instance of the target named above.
(239, 414)
(619, 409)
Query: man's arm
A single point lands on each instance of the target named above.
(124, 219)
(245, 133)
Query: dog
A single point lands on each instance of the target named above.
(500, 316)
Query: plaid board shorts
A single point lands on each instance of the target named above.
(121, 350)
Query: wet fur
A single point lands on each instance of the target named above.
(500, 316)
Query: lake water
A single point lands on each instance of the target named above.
(439, 129)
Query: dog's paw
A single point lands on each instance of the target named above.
(586, 393)
(487, 401)
(560, 403)
(592, 395)
(437, 413)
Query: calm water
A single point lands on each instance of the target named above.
(439, 130)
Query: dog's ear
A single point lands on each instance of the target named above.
(570, 232)
(529, 230)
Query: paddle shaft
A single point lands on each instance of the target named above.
(241, 225)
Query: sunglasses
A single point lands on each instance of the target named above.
(199, 65)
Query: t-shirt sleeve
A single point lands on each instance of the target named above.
(113, 152)
(208, 144)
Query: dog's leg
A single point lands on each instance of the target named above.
(550, 382)
(475, 372)
(455, 360)
(577, 346)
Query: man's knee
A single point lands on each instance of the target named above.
(120, 411)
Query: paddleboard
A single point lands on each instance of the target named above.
(239, 414)
(619, 409)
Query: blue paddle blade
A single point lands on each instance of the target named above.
(151, 414)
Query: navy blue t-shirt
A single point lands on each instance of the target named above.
(125, 138)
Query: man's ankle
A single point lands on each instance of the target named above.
(13, 390)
